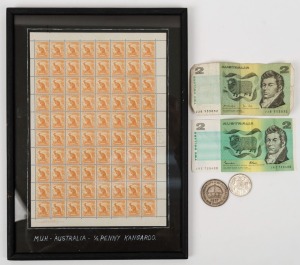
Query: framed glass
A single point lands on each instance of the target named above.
(97, 114)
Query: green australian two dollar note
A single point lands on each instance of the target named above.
(242, 89)
(243, 145)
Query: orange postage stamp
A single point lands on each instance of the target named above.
(42, 138)
(148, 208)
(57, 84)
(57, 49)
(103, 208)
(72, 49)
(103, 49)
(42, 49)
(87, 49)
(42, 85)
(118, 172)
(133, 172)
(118, 208)
(132, 49)
(42, 173)
(103, 173)
(134, 208)
(118, 49)
(88, 208)
(43, 209)
(42, 67)
(148, 49)
(58, 173)
(73, 208)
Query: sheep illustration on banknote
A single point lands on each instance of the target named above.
(241, 144)
(237, 87)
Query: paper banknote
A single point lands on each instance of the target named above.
(242, 89)
(242, 145)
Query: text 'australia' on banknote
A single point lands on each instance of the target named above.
(242, 89)
(243, 145)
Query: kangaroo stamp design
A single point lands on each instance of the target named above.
(103, 85)
(58, 173)
(73, 208)
(88, 49)
(118, 172)
(133, 67)
(58, 191)
(118, 49)
(57, 67)
(148, 172)
(57, 49)
(42, 173)
(103, 49)
(88, 190)
(118, 208)
(42, 68)
(102, 67)
(88, 173)
(148, 67)
(118, 85)
(148, 84)
(117, 67)
(103, 173)
(103, 207)
(133, 172)
(42, 138)
(72, 49)
(148, 49)
(73, 173)
(88, 208)
(103, 190)
(73, 191)
(133, 85)
(133, 49)
(42, 85)
(134, 208)
(41, 49)
(43, 191)
(88, 85)
(133, 190)
(43, 209)
(148, 208)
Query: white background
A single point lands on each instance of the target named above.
(263, 227)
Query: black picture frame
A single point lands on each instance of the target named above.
(170, 242)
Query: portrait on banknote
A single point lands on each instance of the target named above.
(96, 147)
(272, 90)
(276, 140)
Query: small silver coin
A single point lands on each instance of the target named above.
(214, 192)
(240, 184)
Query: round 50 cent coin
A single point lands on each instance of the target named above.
(214, 192)
(240, 185)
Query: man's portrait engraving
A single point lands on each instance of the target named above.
(275, 140)
(272, 84)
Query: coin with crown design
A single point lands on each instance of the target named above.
(214, 192)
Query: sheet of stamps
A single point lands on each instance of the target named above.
(242, 89)
(243, 145)
(98, 129)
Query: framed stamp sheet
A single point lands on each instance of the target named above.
(97, 125)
